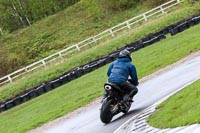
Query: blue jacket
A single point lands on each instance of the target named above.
(120, 70)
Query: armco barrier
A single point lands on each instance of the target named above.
(79, 71)
(126, 25)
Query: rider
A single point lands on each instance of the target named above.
(120, 71)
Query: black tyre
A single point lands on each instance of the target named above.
(106, 114)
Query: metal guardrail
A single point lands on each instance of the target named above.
(162, 9)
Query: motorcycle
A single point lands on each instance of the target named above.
(116, 100)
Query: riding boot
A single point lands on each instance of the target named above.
(132, 94)
(127, 101)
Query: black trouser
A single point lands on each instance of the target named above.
(129, 88)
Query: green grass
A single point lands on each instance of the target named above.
(68, 27)
(180, 109)
(80, 91)
(56, 69)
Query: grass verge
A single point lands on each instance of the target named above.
(180, 109)
(56, 32)
(50, 72)
(80, 91)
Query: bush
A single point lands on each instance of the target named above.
(118, 4)
(154, 3)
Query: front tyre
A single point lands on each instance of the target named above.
(105, 113)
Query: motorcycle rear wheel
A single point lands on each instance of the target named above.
(105, 113)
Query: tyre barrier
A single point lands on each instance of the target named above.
(179, 27)
(48, 87)
(81, 70)
(9, 104)
(2, 107)
(165, 30)
(25, 97)
(32, 93)
(87, 69)
(78, 72)
(113, 56)
(131, 49)
(101, 62)
(40, 90)
(17, 101)
(56, 82)
(137, 45)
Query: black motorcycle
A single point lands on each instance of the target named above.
(116, 100)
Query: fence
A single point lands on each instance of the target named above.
(1, 32)
(162, 9)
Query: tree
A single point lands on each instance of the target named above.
(16, 14)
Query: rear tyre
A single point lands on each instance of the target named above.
(105, 113)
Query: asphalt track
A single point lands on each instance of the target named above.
(150, 92)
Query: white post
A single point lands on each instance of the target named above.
(26, 69)
(112, 33)
(43, 62)
(1, 31)
(60, 54)
(94, 40)
(162, 10)
(9, 78)
(145, 18)
(128, 25)
(77, 47)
